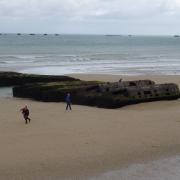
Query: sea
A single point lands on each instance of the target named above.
(101, 54)
(59, 54)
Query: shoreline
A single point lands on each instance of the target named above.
(164, 168)
(87, 141)
(111, 78)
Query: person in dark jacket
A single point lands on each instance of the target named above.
(68, 101)
(25, 112)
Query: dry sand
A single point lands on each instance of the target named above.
(86, 140)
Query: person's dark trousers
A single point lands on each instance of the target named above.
(26, 119)
(29, 119)
(68, 106)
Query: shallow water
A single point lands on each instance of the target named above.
(6, 92)
(164, 169)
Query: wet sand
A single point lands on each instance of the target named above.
(87, 140)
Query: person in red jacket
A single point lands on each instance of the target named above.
(25, 112)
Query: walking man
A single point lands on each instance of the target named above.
(25, 112)
(68, 101)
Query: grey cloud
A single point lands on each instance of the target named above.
(89, 13)
(85, 8)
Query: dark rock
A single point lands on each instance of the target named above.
(93, 93)
(13, 78)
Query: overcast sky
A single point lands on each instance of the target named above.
(90, 16)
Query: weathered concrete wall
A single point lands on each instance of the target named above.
(125, 84)
(106, 95)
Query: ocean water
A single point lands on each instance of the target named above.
(64, 54)
(164, 169)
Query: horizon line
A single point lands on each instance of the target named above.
(100, 34)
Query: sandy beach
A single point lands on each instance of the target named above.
(87, 140)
